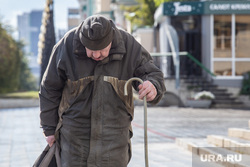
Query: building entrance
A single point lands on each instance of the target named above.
(189, 31)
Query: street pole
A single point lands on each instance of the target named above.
(46, 37)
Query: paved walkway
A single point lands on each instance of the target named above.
(18, 103)
(21, 139)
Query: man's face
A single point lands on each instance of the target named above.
(98, 55)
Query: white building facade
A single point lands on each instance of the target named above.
(217, 33)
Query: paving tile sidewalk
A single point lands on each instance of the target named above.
(21, 139)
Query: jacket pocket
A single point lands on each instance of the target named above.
(71, 91)
(118, 86)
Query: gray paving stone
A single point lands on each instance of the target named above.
(21, 139)
(161, 155)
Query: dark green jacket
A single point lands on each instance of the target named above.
(85, 101)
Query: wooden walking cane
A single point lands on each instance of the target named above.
(145, 118)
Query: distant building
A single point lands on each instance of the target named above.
(73, 18)
(86, 8)
(108, 8)
(103, 7)
(35, 24)
(28, 31)
(24, 30)
(91, 7)
(60, 33)
(119, 14)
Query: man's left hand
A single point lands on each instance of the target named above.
(147, 89)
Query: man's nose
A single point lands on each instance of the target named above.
(96, 54)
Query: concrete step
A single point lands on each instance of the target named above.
(231, 143)
(224, 97)
(231, 106)
(215, 140)
(218, 155)
(203, 86)
(217, 90)
(191, 143)
(196, 162)
(186, 144)
(239, 133)
(196, 81)
(225, 93)
(226, 101)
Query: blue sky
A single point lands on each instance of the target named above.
(9, 9)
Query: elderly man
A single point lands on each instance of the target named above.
(83, 107)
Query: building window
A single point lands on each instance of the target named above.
(242, 36)
(242, 67)
(222, 37)
(223, 68)
(242, 44)
(231, 45)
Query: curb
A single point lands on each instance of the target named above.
(18, 103)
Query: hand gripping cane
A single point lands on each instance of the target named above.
(145, 118)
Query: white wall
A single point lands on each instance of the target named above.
(145, 36)
(206, 43)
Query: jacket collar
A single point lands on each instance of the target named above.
(117, 48)
(112, 58)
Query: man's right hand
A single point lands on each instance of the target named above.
(50, 140)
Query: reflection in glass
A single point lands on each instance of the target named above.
(242, 36)
(242, 67)
(222, 36)
(223, 68)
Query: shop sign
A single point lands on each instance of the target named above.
(209, 7)
(235, 7)
(183, 8)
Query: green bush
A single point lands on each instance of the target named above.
(245, 90)
(10, 62)
(27, 80)
(27, 95)
(14, 72)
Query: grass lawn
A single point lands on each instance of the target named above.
(27, 95)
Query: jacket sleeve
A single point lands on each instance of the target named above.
(50, 93)
(147, 70)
